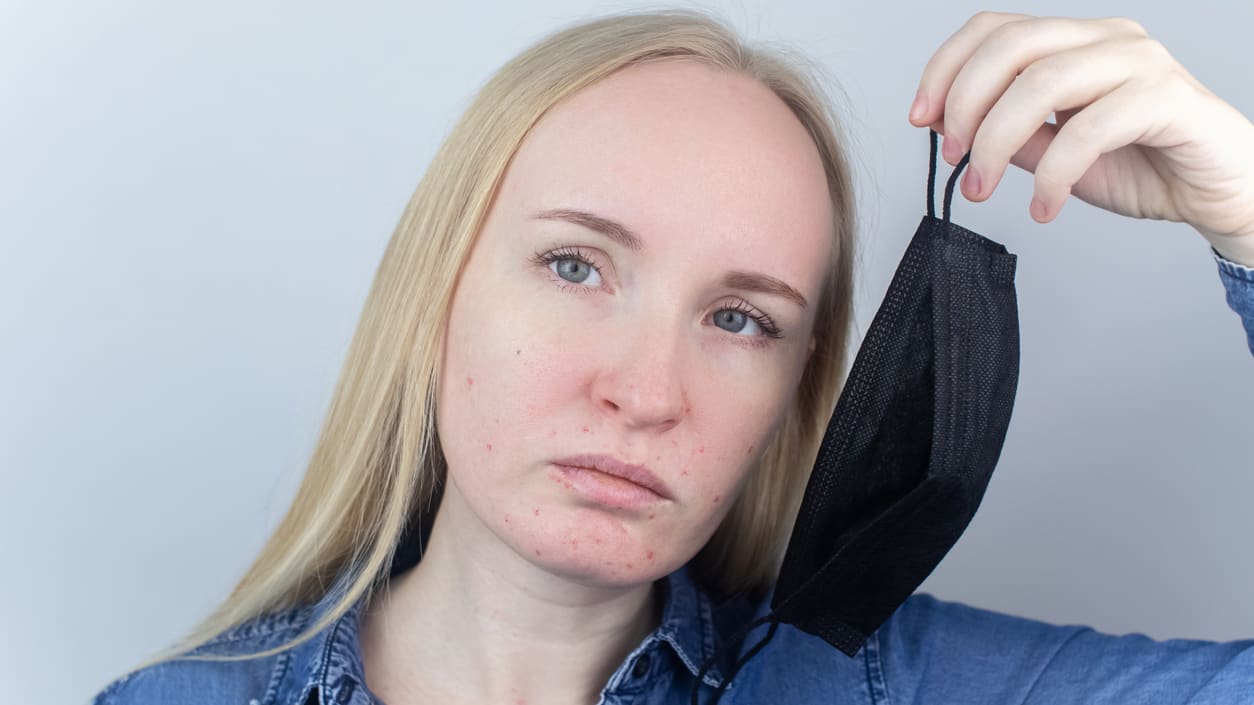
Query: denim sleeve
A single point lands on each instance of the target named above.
(1238, 282)
(948, 653)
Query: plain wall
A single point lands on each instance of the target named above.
(193, 200)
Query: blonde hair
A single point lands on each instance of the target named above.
(377, 466)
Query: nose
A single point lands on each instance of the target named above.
(644, 386)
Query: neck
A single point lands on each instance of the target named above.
(474, 622)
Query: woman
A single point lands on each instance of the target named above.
(604, 341)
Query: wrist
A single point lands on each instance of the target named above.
(1235, 250)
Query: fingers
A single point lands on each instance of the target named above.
(1004, 52)
(1060, 82)
(974, 66)
(1101, 127)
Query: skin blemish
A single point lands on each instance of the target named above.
(553, 433)
(650, 516)
(674, 443)
(597, 540)
(506, 518)
(629, 565)
(649, 555)
(537, 510)
(750, 451)
(684, 472)
(489, 447)
(717, 497)
(585, 429)
(701, 449)
(518, 352)
(470, 382)
(538, 552)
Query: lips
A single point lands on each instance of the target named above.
(636, 474)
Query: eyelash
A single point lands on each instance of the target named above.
(544, 259)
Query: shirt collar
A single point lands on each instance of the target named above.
(330, 662)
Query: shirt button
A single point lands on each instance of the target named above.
(642, 666)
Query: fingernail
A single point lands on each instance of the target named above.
(972, 182)
(920, 106)
(1038, 209)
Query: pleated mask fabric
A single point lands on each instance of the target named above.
(913, 440)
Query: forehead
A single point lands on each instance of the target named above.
(682, 152)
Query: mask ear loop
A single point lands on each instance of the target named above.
(772, 618)
(734, 639)
(949, 186)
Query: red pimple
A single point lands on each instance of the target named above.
(538, 552)
(650, 555)
(537, 511)
(650, 516)
(489, 447)
(585, 429)
(717, 497)
(750, 451)
(470, 381)
(630, 565)
(597, 540)
(683, 472)
(701, 449)
(506, 518)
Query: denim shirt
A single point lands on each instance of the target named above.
(930, 651)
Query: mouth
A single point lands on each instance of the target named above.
(610, 481)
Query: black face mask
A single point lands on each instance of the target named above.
(912, 443)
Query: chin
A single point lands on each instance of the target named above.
(606, 577)
(601, 565)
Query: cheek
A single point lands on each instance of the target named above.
(516, 390)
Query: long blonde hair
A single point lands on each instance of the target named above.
(377, 466)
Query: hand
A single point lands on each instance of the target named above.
(1136, 134)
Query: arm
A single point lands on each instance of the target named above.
(947, 652)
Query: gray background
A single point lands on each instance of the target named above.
(193, 200)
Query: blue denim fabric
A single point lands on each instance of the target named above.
(1238, 282)
(929, 652)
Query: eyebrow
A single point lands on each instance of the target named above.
(621, 234)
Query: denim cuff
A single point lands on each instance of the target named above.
(1238, 281)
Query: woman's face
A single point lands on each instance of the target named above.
(643, 290)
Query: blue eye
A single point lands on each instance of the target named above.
(573, 269)
(732, 321)
(736, 318)
(571, 266)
